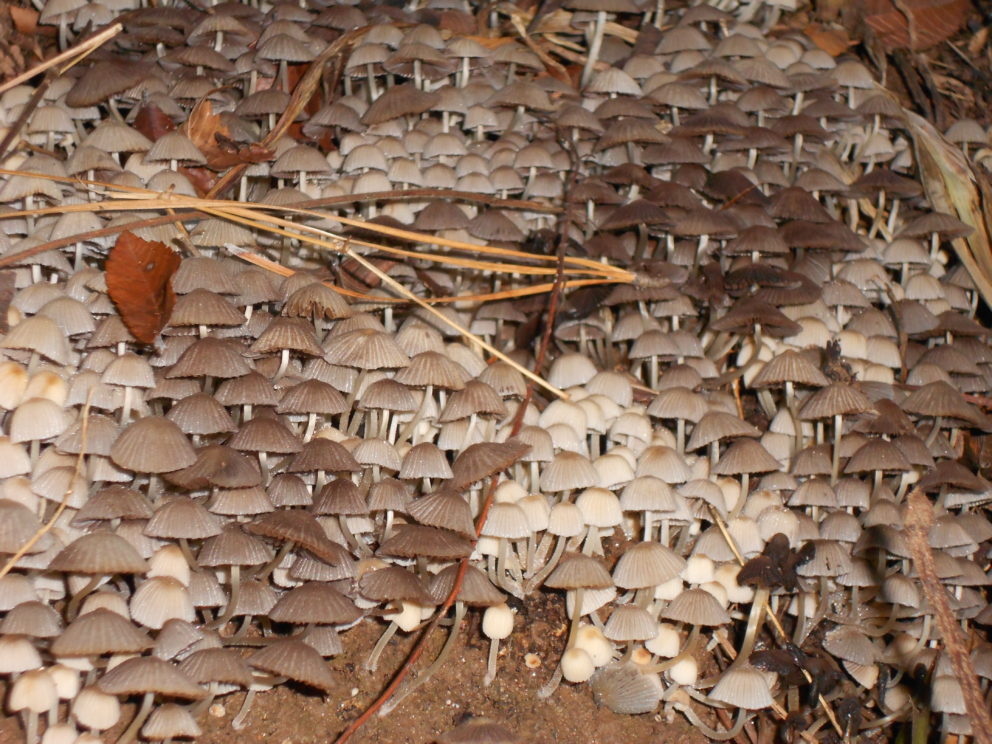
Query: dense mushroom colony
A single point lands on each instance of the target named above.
(719, 497)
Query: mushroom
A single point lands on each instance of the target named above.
(497, 624)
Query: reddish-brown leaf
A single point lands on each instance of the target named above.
(208, 132)
(355, 276)
(915, 24)
(203, 126)
(834, 41)
(139, 281)
(152, 122)
(25, 19)
(203, 179)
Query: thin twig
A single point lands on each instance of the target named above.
(518, 420)
(919, 519)
(78, 54)
(504, 294)
(302, 94)
(73, 55)
(15, 130)
(140, 199)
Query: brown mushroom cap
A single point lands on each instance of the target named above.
(296, 660)
(99, 553)
(144, 674)
(152, 444)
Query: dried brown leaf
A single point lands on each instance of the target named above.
(834, 41)
(953, 186)
(915, 24)
(25, 19)
(139, 281)
(152, 122)
(209, 133)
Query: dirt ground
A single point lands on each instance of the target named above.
(293, 715)
(446, 700)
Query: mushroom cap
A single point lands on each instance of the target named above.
(296, 660)
(743, 686)
(647, 564)
(99, 553)
(100, 631)
(152, 444)
(696, 607)
(144, 674)
(579, 571)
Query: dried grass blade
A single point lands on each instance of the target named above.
(137, 199)
(507, 294)
(462, 330)
(263, 221)
(72, 55)
(954, 187)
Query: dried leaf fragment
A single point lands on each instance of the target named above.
(139, 281)
(209, 133)
(915, 24)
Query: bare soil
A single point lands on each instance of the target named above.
(291, 714)
(287, 716)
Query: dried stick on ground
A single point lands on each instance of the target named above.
(919, 519)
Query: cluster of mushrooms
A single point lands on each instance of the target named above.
(719, 496)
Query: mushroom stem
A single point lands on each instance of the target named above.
(659, 19)
(408, 430)
(932, 436)
(573, 629)
(73, 608)
(800, 632)
(373, 661)
(126, 405)
(594, 46)
(835, 462)
(238, 722)
(232, 599)
(538, 578)
(491, 666)
(131, 732)
(31, 726)
(753, 624)
(503, 578)
(350, 400)
(354, 543)
(283, 364)
(276, 560)
(311, 425)
(187, 553)
(924, 636)
(413, 684)
(708, 732)
(549, 687)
